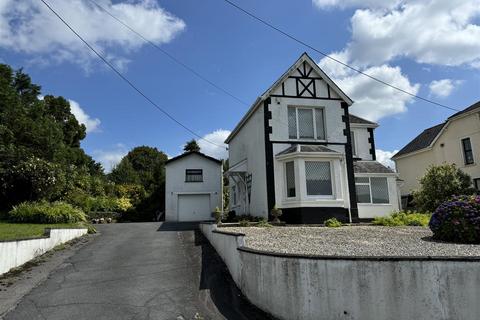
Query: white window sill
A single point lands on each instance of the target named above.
(374, 204)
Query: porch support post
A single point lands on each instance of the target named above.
(349, 159)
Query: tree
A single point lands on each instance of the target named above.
(439, 184)
(191, 146)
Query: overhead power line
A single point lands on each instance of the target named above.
(303, 43)
(130, 83)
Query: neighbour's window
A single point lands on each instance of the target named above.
(354, 150)
(306, 123)
(467, 151)
(194, 175)
(318, 178)
(372, 190)
(290, 174)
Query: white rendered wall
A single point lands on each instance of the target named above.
(249, 145)
(17, 252)
(317, 288)
(175, 183)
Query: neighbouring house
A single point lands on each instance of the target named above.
(455, 141)
(193, 187)
(298, 148)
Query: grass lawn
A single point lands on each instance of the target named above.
(12, 231)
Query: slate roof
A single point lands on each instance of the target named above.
(305, 148)
(472, 107)
(356, 119)
(193, 152)
(422, 141)
(370, 167)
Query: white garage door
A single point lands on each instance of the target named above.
(194, 207)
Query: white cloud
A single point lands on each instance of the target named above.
(373, 100)
(385, 158)
(218, 137)
(110, 157)
(427, 31)
(29, 27)
(443, 88)
(92, 124)
(324, 4)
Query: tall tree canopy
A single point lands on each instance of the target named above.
(191, 145)
(36, 133)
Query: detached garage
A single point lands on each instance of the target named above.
(193, 187)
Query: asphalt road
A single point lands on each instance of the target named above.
(139, 271)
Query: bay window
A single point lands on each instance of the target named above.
(372, 190)
(306, 123)
(290, 177)
(318, 178)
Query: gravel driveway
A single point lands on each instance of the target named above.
(351, 241)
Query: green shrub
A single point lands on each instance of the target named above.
(403, 218)
(244, 223)
(439, 184)
(247, 217)
(45, 212)
(263, 224)
(332, 223)
(218, 214)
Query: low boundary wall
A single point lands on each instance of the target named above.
(327, 287)
(14, 253)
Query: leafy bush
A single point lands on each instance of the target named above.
(263, 223)
(218, 215)
(45, 212)
(403, 218)
(244, 223)
(332, 223)
(439, 184)
(248, 218)
(457, 220)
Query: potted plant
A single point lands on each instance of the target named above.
(276, 213)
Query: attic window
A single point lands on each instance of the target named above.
(193, 175)
(306, 123)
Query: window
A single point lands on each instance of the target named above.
(372, 190)
(467, 151)
(476, 183)
(194, 175)
(290, 175)
(354, 149)
(234, 195)
(306, 123)
(318, 177)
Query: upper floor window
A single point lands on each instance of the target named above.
(194, 175)
(306, 123)
(372, 190)
(467, 151)
(354, 149)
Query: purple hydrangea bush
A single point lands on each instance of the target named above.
(457, 220)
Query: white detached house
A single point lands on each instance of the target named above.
(299, 148)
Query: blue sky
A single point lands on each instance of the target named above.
(427, 47)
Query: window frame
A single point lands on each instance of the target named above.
(332, 182)
(354, 146)
(314, 111)
(369, 183)
(464, 151)
(187, 174)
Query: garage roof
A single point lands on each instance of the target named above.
(186, 154)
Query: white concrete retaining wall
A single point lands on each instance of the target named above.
(17, 252)
(302, 287)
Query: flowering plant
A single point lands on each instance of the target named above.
(457, 220)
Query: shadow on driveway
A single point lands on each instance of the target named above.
(216, 287)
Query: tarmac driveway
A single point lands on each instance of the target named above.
(140, 271)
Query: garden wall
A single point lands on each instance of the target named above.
(315, 287)
(17, 252)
